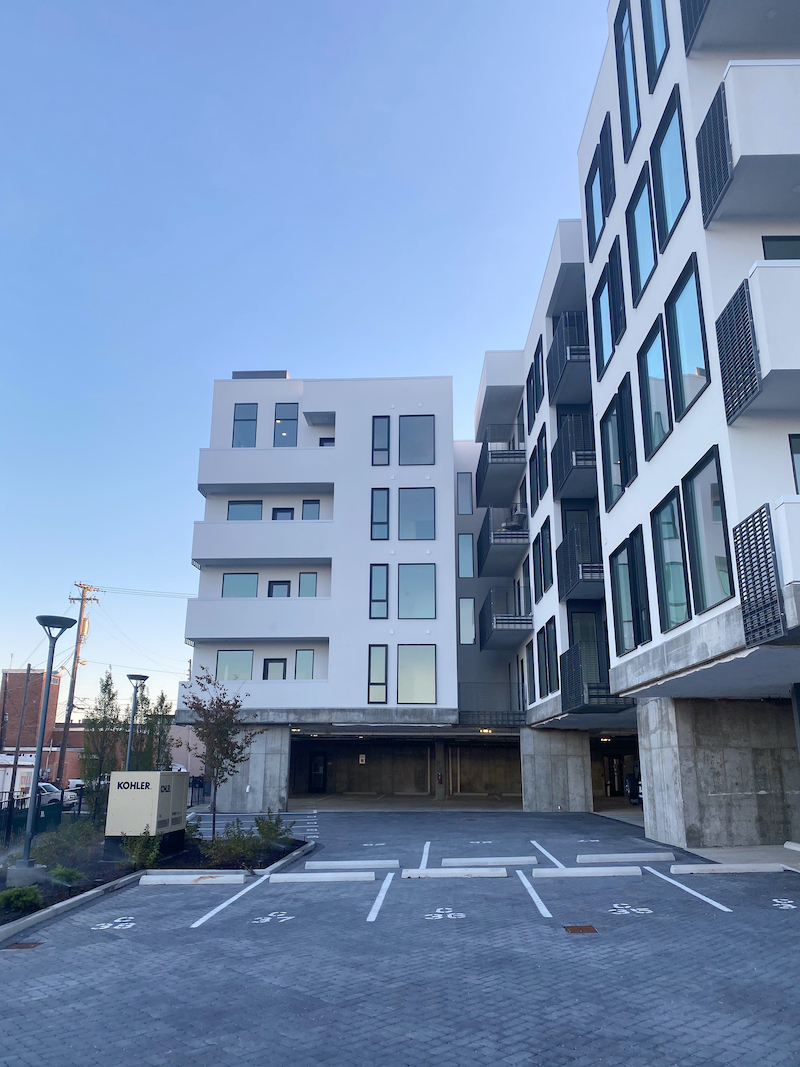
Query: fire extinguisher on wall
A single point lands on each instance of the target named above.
(439, 778)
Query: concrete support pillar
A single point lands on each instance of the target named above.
(556, 770)
(438, 769)
(262, 781)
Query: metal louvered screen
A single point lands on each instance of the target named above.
(692, 12)
(740, 370)
(714, 160)
(759, 584)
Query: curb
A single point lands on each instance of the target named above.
(56, 910)
(280, 864)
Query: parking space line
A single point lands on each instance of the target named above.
(686, 889)
(537, 900)
(544, 852)
(425, 851)
(376, 907)
(225, 903)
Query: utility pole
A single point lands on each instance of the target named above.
(80, 637)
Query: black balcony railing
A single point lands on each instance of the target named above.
(507, 614)
(573, 450)
(491, 704)
(503, 528)
(578, 558)
(714, 158)
(759, 583)
(692, 12)
(503, 449)
(584, 681)
(739, 367)
(570, 345)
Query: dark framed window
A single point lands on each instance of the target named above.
(707, 533)
(529, 670)
(547, 556)
(416, 440)
(552, 655)
(307, 583)
(616, 290)
(672, 580)
(380, 440)
(283, 514)
(285, 435)
(244, 510)
(379, 591)
(464, 492)
(794, 449)
(541, 462)
(626, 78)
(670, 172)
(533, 480)
(600, 187)
(327, 442)
(274, 670)
(377, 670)
(534, 385)
(279, 589)
(618, 446)
(466, 621)
(466, 556)
(234, 665)
(601, 318)
(781, 247)
(416, 591)
(538, 584)
(416, 674)
(641, 235)
(304, 664)
(239, 585)
(310, 509)
(686, 340)
(416, 514)
(379, 526)
(654, 389)
(530, 402)
(541, 658)
(629, 594)
(244, 425)
(656, 38)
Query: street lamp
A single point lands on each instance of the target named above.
(135, 680)
(54, 626)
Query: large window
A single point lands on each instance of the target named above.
(654, 390)
(307, 583)
(283, 514)
(416, 514)
(416, 674)
(547, 654)
(629, 594)
(379, 527)
(670, 173)
(686, 340)
(600, 188)
(244, 425)
(234, 666)
(280, 589)
(547, 556)
(538, 585)
(533, 480)
(794, 448)
(534, 385)
(656, 38)
(377, 674)
(416, 591)
(541, 463)
(244, 510)
(304, 664)
(274, 670)
(379, 591)
(310, 509)
(707, 533)
(285, 435)
(626, 77)
(416, 440)
(239, 585)
(380, 440)
(531, 696)
(608, 309)
(618, 444)
(464, 492)
(641, 236)
(781, 247)
(466, 621)
(670, 557)
(466, 559)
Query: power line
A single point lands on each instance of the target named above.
(145, 592)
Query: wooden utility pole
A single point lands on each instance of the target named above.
(82, 631)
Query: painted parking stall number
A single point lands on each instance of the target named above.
(628, 909)
(274, 916)
(783, 903)
(124, 922)
(446, 913)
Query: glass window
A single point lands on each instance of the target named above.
(274, 670)
(531, 696)
(304, 664)
(656, 38)
(626, 77)
(541, 656)
(547, 556)
(416, 440)
(464, 492)
(781, 247)
(280, 589)
(285, 435)
(244, 510)
(415, 514)
(552, 656)
(327, 442)
(533, 480)
(541, 463)
(307, 583)
(416, 674)
(380, 440)
(282, 514)
(673, 589)
(538, 374)
(466, 621)
(670, 176)
(595, 216)
(236, 585)
(601, 314)
(622, 600)
(416, 591)
(654, 390)
(638, 573)
(379, 591)
(707, 534)
(234, 666)
(612, 454)
(377, 671)
(641, 236)
(686, 340)
(244, 425)
(794, 448)
(538, 585)
(310, 509)
(466, 564)
(616, 293)
(380, 515)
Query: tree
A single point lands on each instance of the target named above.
(151, 749)
(222, 741)
(103, 735)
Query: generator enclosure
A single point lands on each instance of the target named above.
(153, 799)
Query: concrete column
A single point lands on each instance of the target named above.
(262, 781)
(556, 770)
(438, 768)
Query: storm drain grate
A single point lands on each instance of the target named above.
(24, 944)
(580, 929)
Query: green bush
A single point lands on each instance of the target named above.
(193, 832)
(67, 845)
(234, 847)
(67, 875)
(271, 829)
(23, 898)
(144, 850)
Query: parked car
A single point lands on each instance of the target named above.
(48, 794)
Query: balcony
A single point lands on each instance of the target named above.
(748, 147)
(266, 470)
(573, 460)
(506, 618)
(223, 544)
(491, 704)
(502, 542)
(579, 564)
(260, 618)
(501, 466)
(759, 576)
(732, 25)
(584, 682)
(569, 379)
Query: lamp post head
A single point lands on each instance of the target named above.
(134, 679)
(55, 625)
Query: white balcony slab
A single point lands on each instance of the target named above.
(587, 872)
(260, 618)
(222, 544)
(266, 470)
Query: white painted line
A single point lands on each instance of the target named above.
(726, 868)
(325, 876)
(629, 857)
(686, 889)
(587, 872)
(349, 865)
(455, 872)
(424, 861)
(491, 861)
(537, 900)
(209, 914)
(792, 844)
(544, 852)
(376, 907)
(207, 878)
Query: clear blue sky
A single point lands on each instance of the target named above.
(189, 187)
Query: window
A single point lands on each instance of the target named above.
(533, 466)
(415, 514)
(626, 77)
(379, 591)
(307, 583)
(416, 440)
(538, 586)
(282, 514)
(530, 672)
(629, 594)
(670, 174)
(327, 442)
(654, 390)
(285, 435)
(274, 670)
(601, 315)
(236, 585)
(707, 533)
(794, 448)
(541, 656)
(279, 589)
(244, 425)
(380, 515)
(416, 674)
(670, 556)
(464, 492)
(616, 293)
(600, 189)
(380, 440)
(641, 236)
(244, 511)
(304, 665)
(541, 463)
(416, 591)
(534, 385)
(618, 444)
(466, 564)
(376, 674)
(234, 666)
(547, 556)
(656, 38)
(466, 621)
(547, 654)
(781, 247)
(686, 340)
(310, 509)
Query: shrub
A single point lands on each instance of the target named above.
(23, 898)
(144, 850)
(234, 847)
(67, 875)
(271, 829)
(193, 832)
(67, 845)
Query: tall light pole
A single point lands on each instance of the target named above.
(54, 626)
(135, 680)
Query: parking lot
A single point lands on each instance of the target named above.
(420, 970)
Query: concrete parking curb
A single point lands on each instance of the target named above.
(278, 865)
